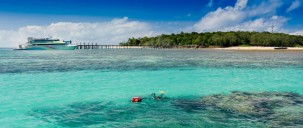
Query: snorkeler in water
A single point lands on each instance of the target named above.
(155, 97)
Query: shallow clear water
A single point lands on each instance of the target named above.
(93, 88)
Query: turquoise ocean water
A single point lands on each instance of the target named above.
(93, 88)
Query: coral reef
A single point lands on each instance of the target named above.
(236, 109)
(273, 108)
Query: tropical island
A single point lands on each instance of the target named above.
(218, 40)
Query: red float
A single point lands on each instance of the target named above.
(136, 99)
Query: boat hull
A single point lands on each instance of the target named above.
(49, 47)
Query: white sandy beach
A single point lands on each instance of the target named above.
(261, 48)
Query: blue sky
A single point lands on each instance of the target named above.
(153, 16)
(34, 12)
(151, 10)
(46, 11)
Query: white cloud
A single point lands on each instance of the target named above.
(261, 24)
(243, 17)
(300, 32)
(112, 32)
(295, 4)
(265, 8)
(241, 4)
(222, 17)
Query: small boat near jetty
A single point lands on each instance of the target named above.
(46, 44)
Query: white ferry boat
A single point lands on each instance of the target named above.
(46, 44)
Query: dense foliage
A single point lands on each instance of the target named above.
(218, 39)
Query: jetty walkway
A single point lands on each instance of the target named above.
(97, 46)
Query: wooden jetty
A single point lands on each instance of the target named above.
(97, 46)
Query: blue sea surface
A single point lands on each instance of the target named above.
(93, 88)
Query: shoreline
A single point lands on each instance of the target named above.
(260, 48)
(250, 48)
